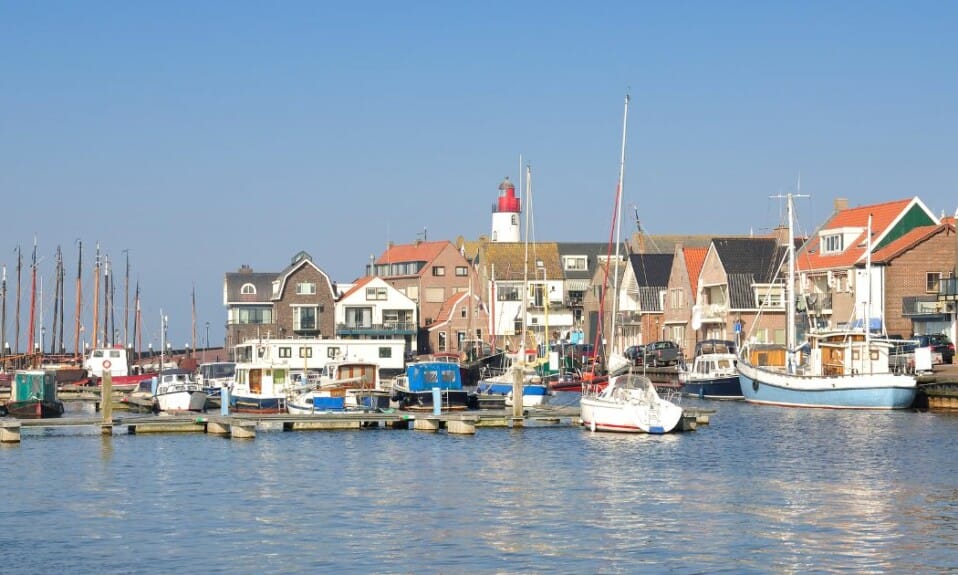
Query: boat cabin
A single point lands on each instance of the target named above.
(107, 359)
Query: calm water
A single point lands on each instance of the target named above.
(760, 490)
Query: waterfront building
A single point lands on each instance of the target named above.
(373, 309)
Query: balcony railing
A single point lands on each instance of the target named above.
(948, 289)
(818, 303)
(921, 305)
(387, 327)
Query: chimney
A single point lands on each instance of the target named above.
(780, 233)
(245, 269)
(841, 204)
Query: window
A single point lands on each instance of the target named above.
(332, 352)
(435, 295)
(385, 352)
(248, 289)
(359, 317)
(464, 312)
(438, 270)
(508, 293)
(306, 288)
(833, 243)
(462, 271)
(305, 351)
(285, 352)
(575, 263)
(375, 293)
(932, 282)
(412, 292)
(304, 318)
(442, 341)
(515, 220)
(254, 315)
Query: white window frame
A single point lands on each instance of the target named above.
(306, 288)
(248, 289)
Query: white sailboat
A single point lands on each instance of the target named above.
(841, 369)
(629, 402)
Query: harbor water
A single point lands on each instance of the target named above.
(759, 490)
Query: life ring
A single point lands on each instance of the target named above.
(106, 364)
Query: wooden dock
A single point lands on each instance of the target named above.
(939, 390)
(245, 426)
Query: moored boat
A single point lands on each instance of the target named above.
(629, 403)
(33, 395)
(341, 385)
(414, 390)
(113, 360)
(176, 392)
(713, 373)
(260, 387)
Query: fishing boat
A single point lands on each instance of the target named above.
(713, 373)
(33, 395)
(840, 369)
(629, 403)
(341, 385)
(177, 391)
(423, 381)
(260, 387)
(113, 360)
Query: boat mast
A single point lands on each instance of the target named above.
(617, 214)
(33, 297)
(3, 313)
(57, 303)
(126, 302)
(96, 295)
(16, 340)
(76, 316)
(789, 292)
(868, 292)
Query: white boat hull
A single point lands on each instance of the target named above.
(191, 400)
(629, 410)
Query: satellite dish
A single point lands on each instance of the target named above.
(696, 316)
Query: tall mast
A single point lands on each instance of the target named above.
(16, 339)
(126, 302)
(3, 312)
(57, 303)
(868, 279)
(618, 225)
(96, 296)
(76, 316)
(790, 289)
(107, 306)
(137, 321)
(33, 296)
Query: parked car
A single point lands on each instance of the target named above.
(635, 354)
(939, 343)
(662, 353)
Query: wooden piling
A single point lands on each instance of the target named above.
(10, 432)
(217, 428)
(427, 424)
(106, 401)
(461, 426)
(243, 430)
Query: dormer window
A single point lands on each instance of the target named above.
(833, 244)
(248, 289)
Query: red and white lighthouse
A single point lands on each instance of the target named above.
(505, 214)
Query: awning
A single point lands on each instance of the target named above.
(577, 285)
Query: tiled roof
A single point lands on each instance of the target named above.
(358, 285)
(591, 250)
(449, 306)
(263, 282)
(417, 252)
(508, 258)
(694, 260)
(652, 269)
(908, 242)
(665, 244)
(810, 257)
(748, 261)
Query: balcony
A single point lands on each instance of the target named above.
(912, 306)
(818, 303)
(389, 328)
(714, 313)
(948, 289)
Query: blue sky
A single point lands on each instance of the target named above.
(205, 135)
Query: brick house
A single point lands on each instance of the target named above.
(453, 330)
(297, 302)
(428, 273)
(682, 287)
(911, 269)
(645, 285)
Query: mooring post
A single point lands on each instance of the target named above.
(436, 401)
(224, 400)
(106, 403)
(10, 432)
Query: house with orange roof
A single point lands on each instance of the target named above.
(831, 266)
(428, 273)
(912, 269)
(682, 287)
(461, 321)
(373, 309)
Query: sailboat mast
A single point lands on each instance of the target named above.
(3, 313)
(76, 316)
(618, 225)
(525, 264)
(868, 291)
(57, 311)
(16, 339)
(96, 295)
(107, 307)
(33, 297)
(126, 302)
(789, 289)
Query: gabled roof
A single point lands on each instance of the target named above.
(262, 282)
(591, 250)
(748, 261)
(909, 241)
(651, 270)
(665, 244)
(694, 260)
(890, 220)
(300, 260)
(360, 283)
(418, 252)
(449, 306)
(508, 259)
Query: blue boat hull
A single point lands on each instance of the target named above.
(506, 388)
(888, 397)
(716, 388)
